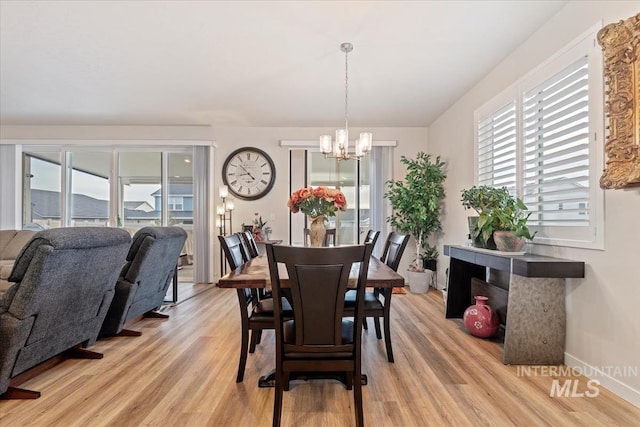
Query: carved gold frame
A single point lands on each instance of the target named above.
(621, 46)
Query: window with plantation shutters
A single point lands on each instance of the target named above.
(496, 145)
(541, 138)
(556, 148)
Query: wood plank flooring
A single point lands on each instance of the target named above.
(181, 372)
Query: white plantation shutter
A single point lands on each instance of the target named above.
(556, 148)
(542, 139)
(496, 148)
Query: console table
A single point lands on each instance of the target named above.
(535, 309)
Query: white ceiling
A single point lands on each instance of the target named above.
(250, 63)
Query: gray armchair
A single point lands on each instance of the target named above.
(144, 280)
(64, 282)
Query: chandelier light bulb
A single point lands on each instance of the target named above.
(325, 144)
(366, 141)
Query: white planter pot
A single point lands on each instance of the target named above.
(419, 281)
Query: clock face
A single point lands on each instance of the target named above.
(249, 173)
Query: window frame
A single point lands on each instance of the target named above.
(591, 237)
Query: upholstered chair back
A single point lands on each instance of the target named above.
(64, 282)
(144, 280)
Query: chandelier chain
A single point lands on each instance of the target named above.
(340, 148)
(346, 90)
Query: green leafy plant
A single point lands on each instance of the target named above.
(497, 210)
(512, 217)
(482, 198)
(417, 203)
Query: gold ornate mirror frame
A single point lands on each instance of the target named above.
(621, 46)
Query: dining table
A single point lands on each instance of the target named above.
(255, 274)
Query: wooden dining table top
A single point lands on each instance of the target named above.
(255, 274)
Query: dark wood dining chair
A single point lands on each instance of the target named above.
(329, 237)
(255, 314)
(251, 248)
(250, 252)
(372, 237)
(318, 339)
(377, 303)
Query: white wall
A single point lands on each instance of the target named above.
(603, 320)
(273, 207)
(10, 194)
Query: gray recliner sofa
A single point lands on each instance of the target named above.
(64, 283)
(144, 280)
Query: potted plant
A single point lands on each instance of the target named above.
(417, 206)
(502, 220)
(510, 225)
(483, 199)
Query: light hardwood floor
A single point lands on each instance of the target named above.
(181, 372)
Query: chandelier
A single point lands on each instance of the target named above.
(339, 149)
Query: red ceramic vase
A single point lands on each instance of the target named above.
(480, 320)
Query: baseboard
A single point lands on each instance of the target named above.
(612, 384)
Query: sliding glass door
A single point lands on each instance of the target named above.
(41, 187)
(126, 188)
(342, 176)
(366, 208)
(87, 179)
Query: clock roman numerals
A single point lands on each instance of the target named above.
(249, 173)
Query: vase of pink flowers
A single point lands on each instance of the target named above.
(261, 230)
(318, 204)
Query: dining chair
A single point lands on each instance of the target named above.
(377, 303)
(329, 237)
(255, 314)
(250, 246)
(251, 251)
(372, 237)
(318, 339)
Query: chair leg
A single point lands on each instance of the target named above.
(387, 323)
(387, 339)
(83, 353)
(259, 336)
(365, 325)
(357, 400)
(155, 315)
(349, 380)
(255, 339)
(243, 355)
(376, 323)
(286, 380)
(277, 400)
(129, 333)
(19, 393)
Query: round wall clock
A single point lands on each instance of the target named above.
(249, 173)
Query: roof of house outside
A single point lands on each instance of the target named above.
(176, 190)
(139, 205)
(45, 204)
